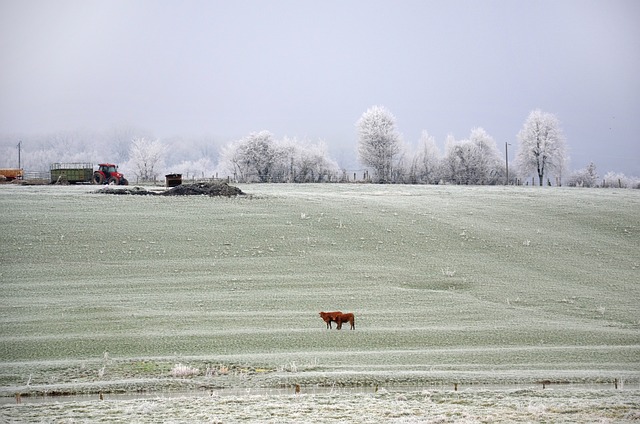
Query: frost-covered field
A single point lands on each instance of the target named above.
(450, 285)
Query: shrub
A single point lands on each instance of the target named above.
(180, 370)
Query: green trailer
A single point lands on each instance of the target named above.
(71, 173)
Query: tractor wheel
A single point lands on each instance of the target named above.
(114, 181)
(98, 178)
(124, 181)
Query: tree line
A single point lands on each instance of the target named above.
(472, 161)
(541, 156)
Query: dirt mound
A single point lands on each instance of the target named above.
(134, 190)
(208, 189)
(195, 189)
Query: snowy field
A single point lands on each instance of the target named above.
(500, 291)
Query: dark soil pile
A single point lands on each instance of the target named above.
(208, 189)
(195, 189)
(118, 190)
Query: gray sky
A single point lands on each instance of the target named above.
(311, 68)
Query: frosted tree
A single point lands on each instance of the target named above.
(473, 161)
(9, 155)
(457, 161)
(402, 166)
(146, 158)
(261, 158)
(250, 159)
(541, 145)
(285, 167)
(314, 164)
(117, 141)
(302, 162)
(487, 160)
(200, 168)
(619, 180)
(192, 150)
(378, 141)
(230, 162)
(426, 161)
(62, 146)
(586, 177)
(258, 153)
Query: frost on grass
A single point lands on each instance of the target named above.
(389, 406)
(261, 270)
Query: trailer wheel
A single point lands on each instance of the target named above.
(98, 178)
(114, 181)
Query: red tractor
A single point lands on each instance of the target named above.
(107, 173)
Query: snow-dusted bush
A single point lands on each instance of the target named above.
(261, 158)
(426, 163)
(180, 370)
(303, 162)
(586, 177)
(201, 168)
(619, 180)
(448, 272)
(473, 161)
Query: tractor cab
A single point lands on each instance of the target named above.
(107, 173)
(108, 168)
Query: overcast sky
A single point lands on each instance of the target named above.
(311, 68)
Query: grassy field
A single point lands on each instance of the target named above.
(466, 285)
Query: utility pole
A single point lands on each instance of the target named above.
(506, 160)
(19, 160)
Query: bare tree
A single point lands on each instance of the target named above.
(378, 141)
(146, 157)
(542, 145)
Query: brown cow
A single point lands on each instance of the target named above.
(346, 318)
(329, 316)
